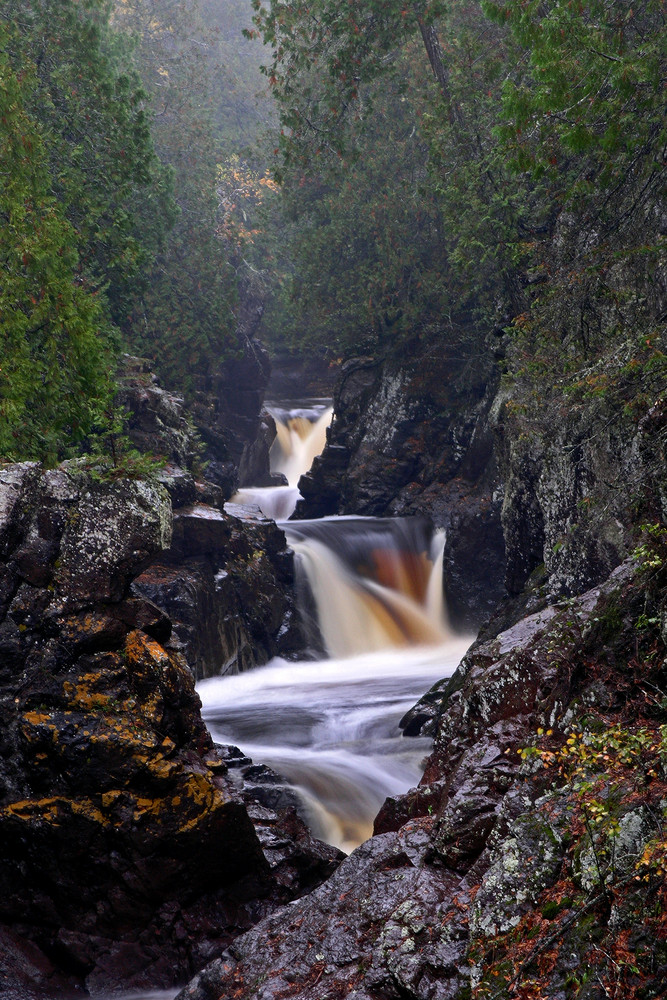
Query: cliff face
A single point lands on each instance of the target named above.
(224, 429)
(579, 476)
(524, 477)
(128, 856)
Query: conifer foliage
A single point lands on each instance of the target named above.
(55, 337)
(543, 160)
(78, 169)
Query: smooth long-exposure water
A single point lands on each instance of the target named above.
(331, 728)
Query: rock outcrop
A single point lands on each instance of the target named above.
(226, 579)
(227, 583)
(128, 855)
(579, 474)
(223, 432)
(227, 411)
(532, 854)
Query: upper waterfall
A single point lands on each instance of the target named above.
(300, 436)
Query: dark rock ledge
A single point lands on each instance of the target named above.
(226, 579)
(128, 858)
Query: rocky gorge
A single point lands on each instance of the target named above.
(529, 861)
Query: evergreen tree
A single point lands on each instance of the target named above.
(54, 383)
(183, 313)
(583, 114)
(102, 165)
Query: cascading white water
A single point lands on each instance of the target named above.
(301, 433)
(372, 582)
(300, 436)
(330, 726)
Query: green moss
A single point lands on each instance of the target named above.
(610, 623)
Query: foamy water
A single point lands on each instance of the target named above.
(330, 727)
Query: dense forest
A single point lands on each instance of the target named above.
(122, 128)
(438, 172)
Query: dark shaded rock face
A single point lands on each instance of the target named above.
(127, 854)
(577, 479)
(295, 376)
(226, 582)
(224, 430)
(227, 411)
(417, 437)
(157, 422)
(490, 842)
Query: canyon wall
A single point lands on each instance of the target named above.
(416, 437)
(527, 481)
(129, 855)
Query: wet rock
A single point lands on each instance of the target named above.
(478, 859)
(114, 529)
(17, 487)
(27, 974)
(574, 476)
(223, 433)
(375, 928)
(254, 469)
(227, 584)
(226, 410)
(157, 421)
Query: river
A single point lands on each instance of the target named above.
(373, 589)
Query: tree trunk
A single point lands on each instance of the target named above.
(432, 46)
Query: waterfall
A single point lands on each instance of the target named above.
(376, 583)
(301, 433)
(329, 726)
(300, 437)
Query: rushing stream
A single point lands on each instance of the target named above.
(373, 587)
